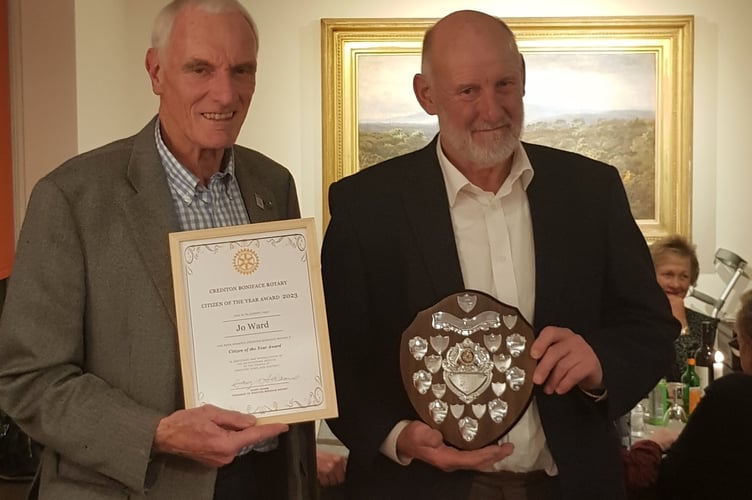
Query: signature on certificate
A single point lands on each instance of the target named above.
(268, 380)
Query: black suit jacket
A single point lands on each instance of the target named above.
(710, 459)
(389, 252)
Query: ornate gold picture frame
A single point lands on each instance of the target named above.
(618, 89)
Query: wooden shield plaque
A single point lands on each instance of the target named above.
(467, 369)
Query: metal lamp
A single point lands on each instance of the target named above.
(736, 265)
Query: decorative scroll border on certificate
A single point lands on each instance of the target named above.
(252, 327)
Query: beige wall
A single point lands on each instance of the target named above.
(113, 99)
(44, 118)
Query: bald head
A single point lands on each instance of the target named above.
(460, 29)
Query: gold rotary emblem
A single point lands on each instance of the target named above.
(467, 357)
(246, 261)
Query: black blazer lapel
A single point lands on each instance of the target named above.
(427, 210)
(549, 234)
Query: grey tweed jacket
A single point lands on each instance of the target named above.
(88, 350)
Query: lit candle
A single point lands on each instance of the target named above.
(717, 365)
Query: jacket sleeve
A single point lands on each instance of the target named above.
(635, 339)
(44, 385)
(347, 313)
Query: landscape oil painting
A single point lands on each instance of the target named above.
(598, 105)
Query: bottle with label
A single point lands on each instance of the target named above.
(657, 403)
(704, 355)
(691, 385)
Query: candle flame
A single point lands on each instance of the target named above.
(718, 357)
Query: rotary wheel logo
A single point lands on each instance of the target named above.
(246, 261)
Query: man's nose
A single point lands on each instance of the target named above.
(223, 90)
(491, 108)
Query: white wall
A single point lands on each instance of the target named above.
(114, 98)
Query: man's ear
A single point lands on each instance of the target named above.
(154, 69)
(424, 94)
(522, 68)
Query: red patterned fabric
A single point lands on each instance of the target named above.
(641, 464)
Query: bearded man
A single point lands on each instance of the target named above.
(546, 231)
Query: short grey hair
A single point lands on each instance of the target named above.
(677, 244)
(160, 33)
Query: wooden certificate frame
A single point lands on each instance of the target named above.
(252, 326)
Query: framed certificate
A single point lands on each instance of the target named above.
(252, 327)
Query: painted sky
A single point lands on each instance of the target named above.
(557, 84)
(385, 87)
(590, 83)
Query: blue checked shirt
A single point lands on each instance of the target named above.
(218, 204)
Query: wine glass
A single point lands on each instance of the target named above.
(676, 416)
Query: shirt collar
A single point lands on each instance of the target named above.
(455, 181)
(184, 182)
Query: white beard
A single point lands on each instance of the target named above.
(496, 150)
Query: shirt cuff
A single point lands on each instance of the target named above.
(389, 446)
(597, 395)
(261, 447)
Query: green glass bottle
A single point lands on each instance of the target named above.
(704, 355)
(657, 403)
(692, 390)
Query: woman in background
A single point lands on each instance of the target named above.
(676, 269)
(711, 458)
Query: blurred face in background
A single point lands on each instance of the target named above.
(743, 328)
(745, 352)
(674, 273)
